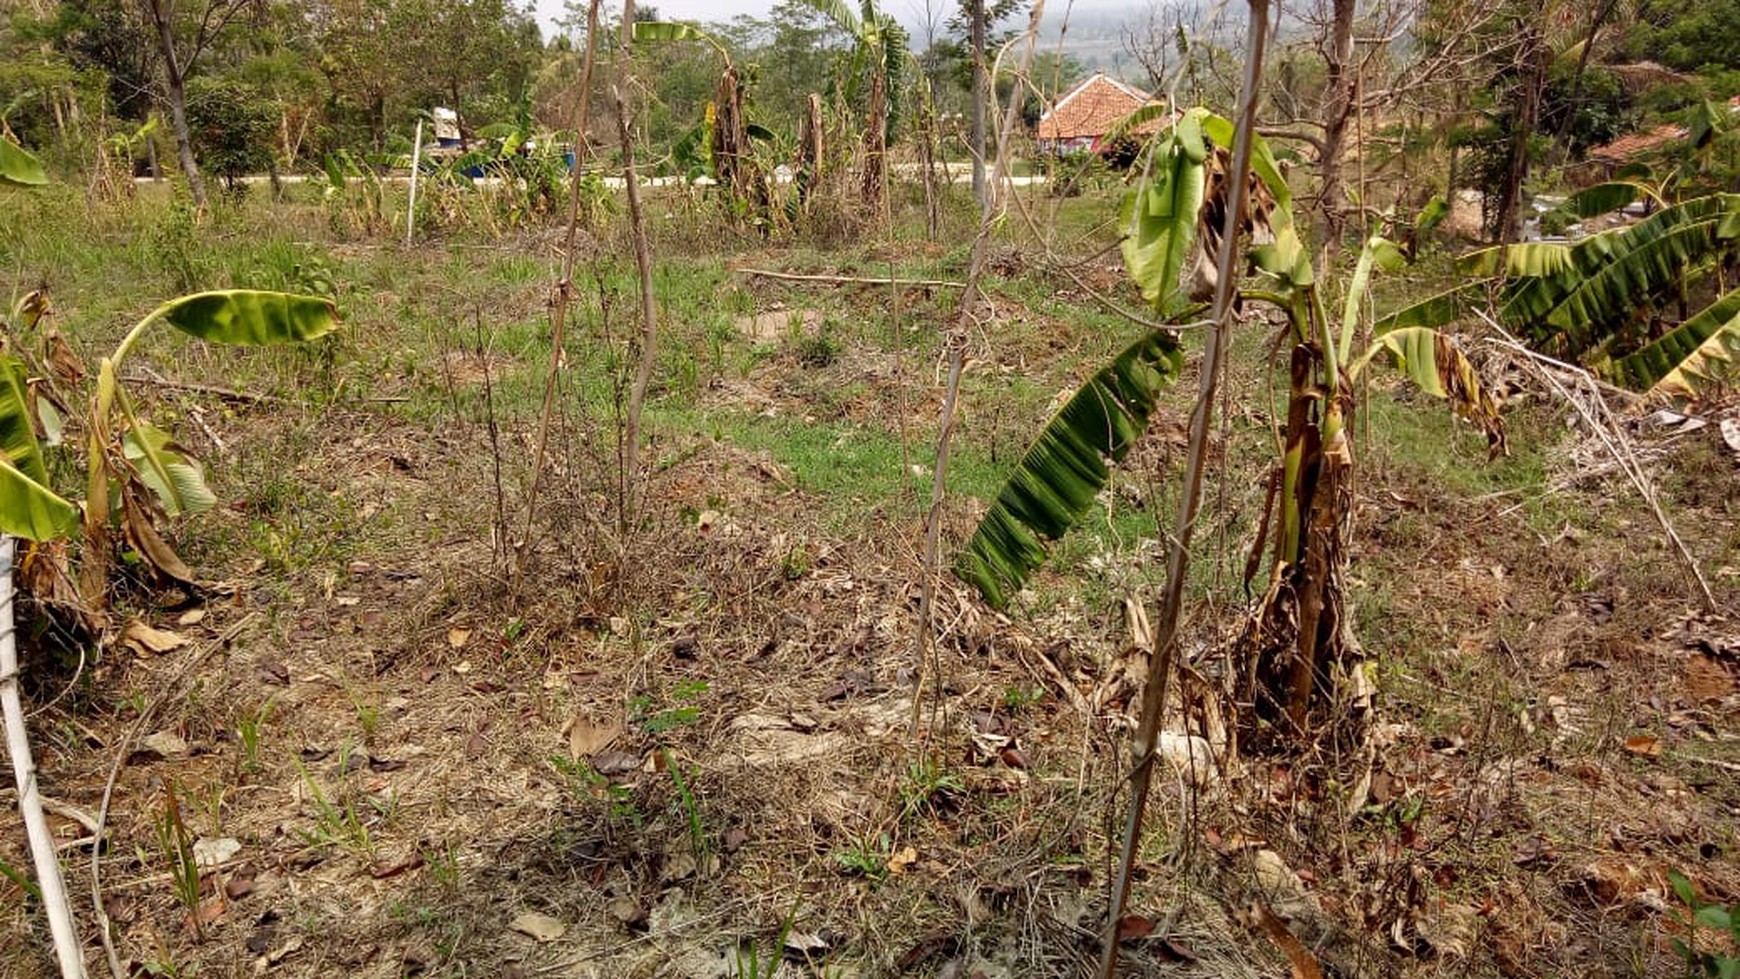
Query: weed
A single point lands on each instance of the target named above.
(927, 783)
(1019, 697)
(747, 962)
(443, 864)
(866, 858)
(687, 712)
(586, 785)
(177, 846)
(335, 824)
(248, 728)
(691, 808)
(18, 877)
(1711, 964)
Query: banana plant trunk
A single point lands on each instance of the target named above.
(876, 140)
(1302, 633)
(42, 853)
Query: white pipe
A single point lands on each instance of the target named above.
(54, 902)
(416, 164)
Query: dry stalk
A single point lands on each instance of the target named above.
(1592, 408)
(853, 279)
(957, 346)
(648, 316)
(564, 294)
(1201, 421)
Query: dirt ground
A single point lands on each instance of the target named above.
(702, 749)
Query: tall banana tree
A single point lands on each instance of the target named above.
(1652, 307)
(870, 74)
(1300, 639)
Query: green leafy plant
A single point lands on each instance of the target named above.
(866, 858)
(135, 472)
(1178, 210)
(1714, 963)
(1613, 300)
(926, 784)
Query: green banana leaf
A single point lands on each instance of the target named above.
(250, 317)
(671, 30)
(1159, 217)
(1430, 216)
(1689, 359)
(1533, 259)
(17, 166)
(1433, 311)
(28, 508)
(1437, 366)
(1606, 198)
(167, 469)
(1066, 467)
(1614, 273)
(1381, 253)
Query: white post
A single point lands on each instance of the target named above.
(416, 164)
(54, 902)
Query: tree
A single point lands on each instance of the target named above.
(198, 25)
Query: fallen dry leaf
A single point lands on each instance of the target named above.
(1643, 744)
(165, 743)
(587, 737)
(1133, 926)
(540, 927)
(146, 639)
(900, 862)
(193, 616)
(210, 852)
(457, 637)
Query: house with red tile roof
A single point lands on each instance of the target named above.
(1080, 120)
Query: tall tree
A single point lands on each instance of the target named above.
(206, 20)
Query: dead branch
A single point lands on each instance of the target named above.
(851, 279)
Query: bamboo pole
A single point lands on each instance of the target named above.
(1201, 420)
(48, 878)
(416, 165)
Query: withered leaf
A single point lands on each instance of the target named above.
(147, 639)
(1133, 926)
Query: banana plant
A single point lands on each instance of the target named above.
(1175, 212)
(1621, 301)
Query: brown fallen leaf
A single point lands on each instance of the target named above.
(1134, 926)
(540, 927)
(1304, 964)
(385, 869)
(1643, 744)
(457, 637)
(587, 737)
(900, 862)
(149, 640)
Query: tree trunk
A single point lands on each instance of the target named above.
(976, 136)
(176, 86)
(1534, 61)
(1338, 61)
